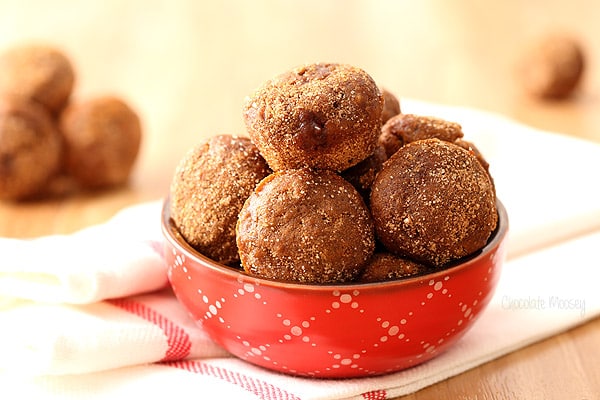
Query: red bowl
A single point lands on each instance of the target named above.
(333, 331)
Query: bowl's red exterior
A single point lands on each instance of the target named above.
(336, 330)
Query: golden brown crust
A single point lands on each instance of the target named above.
(323, 116)
(102, 140)
(305, 226)
(208, 190)
(39, 73)
(412, 127)
(385, 266)
(30, 149)
(433, 202)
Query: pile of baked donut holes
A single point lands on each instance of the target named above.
(52, 144)
(334, 184)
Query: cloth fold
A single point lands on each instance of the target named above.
(55, 339)
(90, 315)
(119, 258)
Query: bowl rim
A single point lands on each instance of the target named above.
(172, 235)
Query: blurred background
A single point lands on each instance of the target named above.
(185, 66)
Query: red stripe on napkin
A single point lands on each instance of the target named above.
(375, 395)
(264, 390)
(178, 341)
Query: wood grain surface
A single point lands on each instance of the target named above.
(186, 66)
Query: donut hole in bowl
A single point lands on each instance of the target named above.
(334, 331)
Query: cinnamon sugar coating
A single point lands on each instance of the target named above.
(37, 72)
(390, 142)
(412, 127)
(406, 128)
(385, 266)
(30, 149)
(102, 139)
(433, 202)
(208, 190)
(470, 146)
(363, 174)
(322, 116)
(305, 226)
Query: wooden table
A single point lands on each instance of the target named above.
(186, 67)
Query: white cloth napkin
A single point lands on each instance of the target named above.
(58, 339)
(87, 315)
(535, 299)
(119, 258)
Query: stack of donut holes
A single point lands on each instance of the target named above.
(50, 143)
(333, 185)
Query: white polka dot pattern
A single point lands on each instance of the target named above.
(333, 331)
